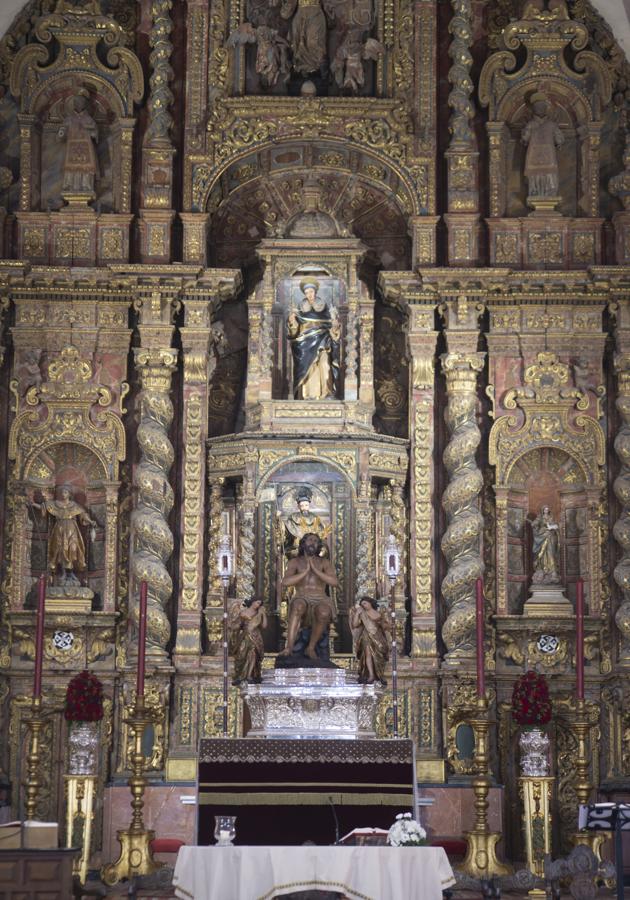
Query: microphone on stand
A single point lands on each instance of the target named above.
(334, 812)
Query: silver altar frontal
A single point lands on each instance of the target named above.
(311, 703)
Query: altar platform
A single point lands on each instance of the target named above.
(291, 791)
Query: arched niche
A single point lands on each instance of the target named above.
(334, 502)
(570, 114)
(261, 194)
(546, 476)
(73, 465)
(51, 113)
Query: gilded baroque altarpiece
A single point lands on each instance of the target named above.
(171, 177)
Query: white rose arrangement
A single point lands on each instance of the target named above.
(406, 832)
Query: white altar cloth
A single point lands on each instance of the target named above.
(360, 873)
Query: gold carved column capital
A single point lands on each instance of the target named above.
(155, 367)
(461, 370)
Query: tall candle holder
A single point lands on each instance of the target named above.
(581, 727)
(33, 783)
(36, 717)
(481, 858)
(135, 857)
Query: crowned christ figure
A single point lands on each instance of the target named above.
(314, 332)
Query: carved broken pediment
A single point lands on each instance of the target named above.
(551, 415)
(71, 44)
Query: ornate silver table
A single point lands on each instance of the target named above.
(311, 703)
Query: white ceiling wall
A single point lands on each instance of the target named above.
(616, 13)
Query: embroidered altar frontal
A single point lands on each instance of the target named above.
(291, 791)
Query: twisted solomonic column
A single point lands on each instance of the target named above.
(152, 538)
(461, 542)
(160, 99)
(460, 96)
(621, 487)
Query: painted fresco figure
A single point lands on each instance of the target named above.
(314, 331)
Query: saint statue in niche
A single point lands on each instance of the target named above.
(545, 548)
(66, 547)
(303, 522)
(314, 332)
(542, 136)
(79, 131)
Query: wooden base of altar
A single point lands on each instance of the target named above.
(291, 791)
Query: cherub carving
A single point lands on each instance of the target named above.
(272, 55)
(347, 66)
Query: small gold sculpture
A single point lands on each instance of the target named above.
(371, 632)
(246, 623)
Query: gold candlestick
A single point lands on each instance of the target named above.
(135, 857)
(481, 859)
(581, 728)
(33, 783)
(583, 787)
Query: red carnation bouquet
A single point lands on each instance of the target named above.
(530, 700)
(84, 698)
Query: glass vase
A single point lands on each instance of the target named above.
(224, 830)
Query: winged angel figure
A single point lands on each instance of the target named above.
(272, 55)
(246, 622)
(347, 66)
